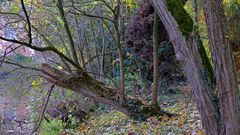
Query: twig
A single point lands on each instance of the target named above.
(41, 116)
(90, 15)
(113, 11)
(114, 83)
(19, 65)
(8, 13)
(42, 49)
(91, 59)
(28, 22)
(6, 53)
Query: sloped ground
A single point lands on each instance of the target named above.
(112, 122)
(187, 123)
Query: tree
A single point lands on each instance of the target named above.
(218, 110)
(216, 95)
(77, 78)
(117, 18)
(66, 27)
(224, 68)
(156, 43)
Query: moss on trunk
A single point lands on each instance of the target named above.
(82, 83)
(183, 19)
(186, 26)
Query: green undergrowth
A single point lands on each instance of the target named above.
(54, 127)
(105, 121)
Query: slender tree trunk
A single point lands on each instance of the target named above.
(226, 84)
(102, 57)
(88, 54)
(97, 43)
(80, 45)
(67, 29)
(156, 43)
(120, 51)
(103, 44)
(187, 52)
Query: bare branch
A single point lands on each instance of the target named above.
(113, 11)
(42, 49)
(6, 53)
(91, 59)
(110, 31)
(8, 13)
(19, 65)
(67, 29)
(28, 23)
(90, 15)
(45, 103)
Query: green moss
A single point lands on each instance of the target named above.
(208, 74)
(185, 23)
(183, 19)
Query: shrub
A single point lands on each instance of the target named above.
(54, 127)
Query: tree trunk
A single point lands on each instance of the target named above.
(206, 62)
(156, 43)
(67, 29)
(90, 87)
(102, 56)
(120, 52)
(80, 45)
(226, 84)
(187, 52)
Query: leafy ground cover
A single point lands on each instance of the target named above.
(112, 122)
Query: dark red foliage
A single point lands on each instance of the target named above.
(139, 30)
(139, 37)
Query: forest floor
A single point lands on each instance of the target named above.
(112, 122)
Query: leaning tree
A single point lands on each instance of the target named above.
(73, 75)
(216, 94)
(218, 104)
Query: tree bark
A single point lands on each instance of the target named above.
(82, 83)
(120, 51)
(67, 29)
(206, 62)
(156, 28)
(186, 50)
(226, 84)
(80, 45)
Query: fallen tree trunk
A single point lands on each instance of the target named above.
(82, 83)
